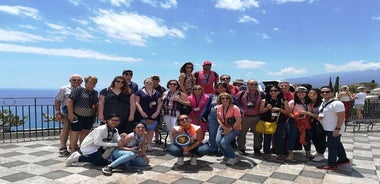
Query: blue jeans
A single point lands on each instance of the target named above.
(127, 158)
(279, 137)
(224, 142)
(335, 149)
(213, 129)
(292, 133)
(177, 151)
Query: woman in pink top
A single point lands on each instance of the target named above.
(229, 119)
(198, 100)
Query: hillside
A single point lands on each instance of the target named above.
(344, 78)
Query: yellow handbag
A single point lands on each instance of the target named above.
(267, 127)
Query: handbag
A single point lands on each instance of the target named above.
(266, 127)
(231, 121)
(184, 109)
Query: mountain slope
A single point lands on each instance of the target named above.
(344, 78)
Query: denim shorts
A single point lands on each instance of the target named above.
(150, 127)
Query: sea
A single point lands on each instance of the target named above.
(35, 105)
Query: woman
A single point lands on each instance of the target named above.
(345, 96)
(274, 108)
(118, 98)
(300, 111)
(318, 134)
(172, 102)
(198, 100)
(82, 107)
(148, 104)
(131, 150)
(195, 148)
(186, 78)
(92, 148)
(229, 119)
(209, 115)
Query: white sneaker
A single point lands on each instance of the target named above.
(72, 158)
(232, 161)
(222, 160)
(180, 161)
(318, 158)
(193, 161)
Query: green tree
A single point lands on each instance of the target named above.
(336, 85)
(8, 120)
(330, 83)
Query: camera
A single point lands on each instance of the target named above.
(250, 105)
(231, 121)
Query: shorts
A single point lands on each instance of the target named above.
(359, 106)
(83, 123)
(150, 127)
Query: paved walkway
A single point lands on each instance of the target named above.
(39, 162)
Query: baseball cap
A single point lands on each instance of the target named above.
(207, 63)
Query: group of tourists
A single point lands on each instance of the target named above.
(197, 103)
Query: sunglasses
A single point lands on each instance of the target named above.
(76, 80)
(172, 84)
(119, 81)
(225, 78)
(325, 92)
(183, 119)
(128, 74)
(224, 98)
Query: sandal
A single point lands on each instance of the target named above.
(64, 152)
(290, 155)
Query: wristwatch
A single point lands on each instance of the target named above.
(336, 128)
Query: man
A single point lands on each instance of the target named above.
(250, 103)
(128, 74)
(207, 78)
(61, 113)
(158, 87)
(94, 145)
(240, 84)
(331, 116)
(285, 88)
(234, 90)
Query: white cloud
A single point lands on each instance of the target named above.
(78, 33)
(248, 64)
(20, 10)
(169, 4)
(275, 29)
(264, 35)
(247, 19)
(166, 4)
(289, 1)
(119, 3)
(17, 36)
(236, 4)
(375, 17)
(289, 71)
(209, 40)
(27, 26)
(66, 52)
(134, 28)
(352, 66)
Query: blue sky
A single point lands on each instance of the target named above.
(43, 42)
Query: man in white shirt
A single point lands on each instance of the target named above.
(95, 143)
(331, 116)
(61, 113)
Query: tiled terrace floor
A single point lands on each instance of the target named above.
(39, 162)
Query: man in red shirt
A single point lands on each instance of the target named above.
(207, 78)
